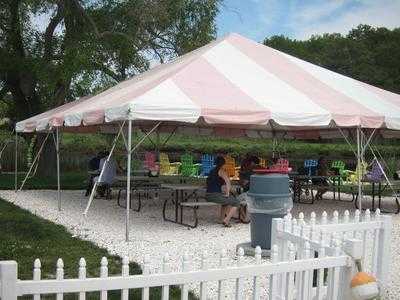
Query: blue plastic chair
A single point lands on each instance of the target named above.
(207, 164)
(311, 166)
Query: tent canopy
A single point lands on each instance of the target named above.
(233, 82)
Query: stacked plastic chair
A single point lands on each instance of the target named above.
(207, 164)
(281, 166)
(230, 167)
(188, 168)
(311, 166)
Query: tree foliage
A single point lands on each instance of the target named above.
(52, 51)
(369, 54)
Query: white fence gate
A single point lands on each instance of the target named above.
(293, 273)
(364, 237)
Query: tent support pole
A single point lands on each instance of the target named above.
(58, 168)
(368, 141)
(128, 179)
(16, 162)
(359, 166)
(34, 162)
(101, 173)
(170, 135)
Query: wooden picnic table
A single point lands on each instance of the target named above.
(181, 193)
(377, 188)
(305, 183)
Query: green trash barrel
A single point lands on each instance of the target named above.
(269, 197)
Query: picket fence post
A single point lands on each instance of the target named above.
(8, 279)
(37, 274)
(60, 276)
(186, 267)
(273, 279)
(103, 274)
(239, 281)
(125, 273)
(290, 275)
(204, 267)
(256, 279)
(384, 251)
(146, 271)
(166, 269)
(223, 261)
(82, 275)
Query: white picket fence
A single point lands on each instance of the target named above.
(293, 272)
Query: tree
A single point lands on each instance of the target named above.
(369, 54)
(105, 41)
(52, 51)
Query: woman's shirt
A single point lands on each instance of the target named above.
(214, 182)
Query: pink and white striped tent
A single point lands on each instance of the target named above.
(232, 82)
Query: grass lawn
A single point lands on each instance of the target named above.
(69, 181)
(25, 237)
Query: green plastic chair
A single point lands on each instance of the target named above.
(340, 166)
(187, 166)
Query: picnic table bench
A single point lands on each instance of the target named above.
(181, 193)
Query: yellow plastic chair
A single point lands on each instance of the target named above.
(360, 172)
(263, 162)
(229, 166)
(166, 167)
(164, 164)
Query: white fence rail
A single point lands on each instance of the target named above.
(309, 260)
(11, 287)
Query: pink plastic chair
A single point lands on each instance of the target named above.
(150, 161)
(281, 166)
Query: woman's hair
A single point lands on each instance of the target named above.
(255, 159)
(219, 162)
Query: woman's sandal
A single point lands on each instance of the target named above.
(226, 224)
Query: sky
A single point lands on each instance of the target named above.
(300, 19)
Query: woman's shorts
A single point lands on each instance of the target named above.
(221, 199)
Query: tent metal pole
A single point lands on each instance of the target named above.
(128, 179)
(359, 167)
(58, 168)
(16, 162)
(34, 162)
(101, 173)
(368, 141)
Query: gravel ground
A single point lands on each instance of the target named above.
(149, 234)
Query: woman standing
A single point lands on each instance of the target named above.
(219, 191)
